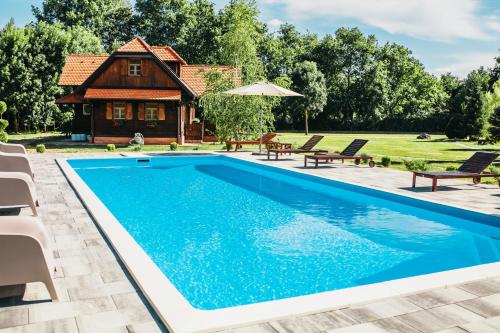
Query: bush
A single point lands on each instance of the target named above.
(137, 148)
(110, 147)
(40, 148)
(386, 161)
(3, 124)
(4, 137)
(173, 146)
(415, 165)
(66, 123)
(451, 168)
(364, 158)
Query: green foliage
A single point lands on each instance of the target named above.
(415, 165)
(40, 148)
(3, 108)
(173, 146)
(112, 20)
(310, 82)
(4, 137)
(66, 123)
(137, 148)
(494, 129)
(469, 112)
(110, 147)
(3, 124)
(451, 168)
(36, 54)
(386, 161)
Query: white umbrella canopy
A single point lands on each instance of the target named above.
(262, 89)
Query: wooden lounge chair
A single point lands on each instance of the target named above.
(21, 191)
(286, 148)
(349, 153)
(25, 253)
(266, 139)
(472, 168)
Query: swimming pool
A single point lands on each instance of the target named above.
(228, 233)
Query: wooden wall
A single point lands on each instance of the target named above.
(81, 124)
(117, 75)
(166, 128)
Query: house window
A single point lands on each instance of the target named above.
(87, 109)
(135, 68)
(152, 111)
(119, 111)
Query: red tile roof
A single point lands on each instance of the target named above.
(166, 53)
(79, 67)
(193, 75)
(133, 94)
(135, 45)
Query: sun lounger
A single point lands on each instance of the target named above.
(25, 253)
(15, 163)
(349, 153)
(11, 148)
(266, 139)
(20, 191)
(285, 148)
(472, 168)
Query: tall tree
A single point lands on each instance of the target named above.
(164, 22)
(469, 117)
(310, 82)
(495, 72)
(111, 20)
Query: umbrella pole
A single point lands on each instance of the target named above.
(260, 122)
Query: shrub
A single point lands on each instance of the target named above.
(66, 123)
(110, 147)
(415, 165)
(173, 146)
(137, 148)
(451, 168)
(364, 158)
(40, 148)
(386, 161)
(3, 124)
(4, 137)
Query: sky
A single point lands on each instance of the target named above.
(454, 36)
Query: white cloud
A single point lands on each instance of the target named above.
(439, 20)
(274, 23)
(463, 64)
(493, 23)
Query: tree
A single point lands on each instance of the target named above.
(310, 82)
(495, 72)
(31, 59)
(492, 105)
(111, 20)
(164, 22)
(469, 115)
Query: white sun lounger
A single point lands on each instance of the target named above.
(12, 148)
(18, 191)
(25, 253)
(15, 163)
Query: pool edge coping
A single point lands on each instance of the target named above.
(180, 317)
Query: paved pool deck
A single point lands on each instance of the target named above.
(97, 295)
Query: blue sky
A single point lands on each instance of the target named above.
(446, 35)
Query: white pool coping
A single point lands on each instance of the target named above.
(180, 317)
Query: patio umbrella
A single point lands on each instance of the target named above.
(262, 89)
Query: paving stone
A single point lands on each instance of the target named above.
(439, 318)
(360, 328)
(260, 328)
(104, 290)
(152, 327)
(127, 300)
(14, 317)
(113, 276)
(488, 306)
(329, 320)
(482, 288)
(490, 325)
(394, 325)
(294, 324)
(438, 297)
(111, 321)
(378, 310)
(67, 325)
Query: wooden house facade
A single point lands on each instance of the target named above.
(137, 89)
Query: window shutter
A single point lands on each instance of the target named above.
(143, 68)
(141, 111)
(109, 111)
(161, 112)
(129, 114)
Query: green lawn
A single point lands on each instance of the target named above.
(439, 151)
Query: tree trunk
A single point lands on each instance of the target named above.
(306, 118)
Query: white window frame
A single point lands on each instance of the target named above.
(119, 111)
(151, 112)
(135, 68)
(87, 109)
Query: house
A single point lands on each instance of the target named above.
(138, 88)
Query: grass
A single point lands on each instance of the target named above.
(439, 151)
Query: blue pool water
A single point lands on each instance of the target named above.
(228, 232)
